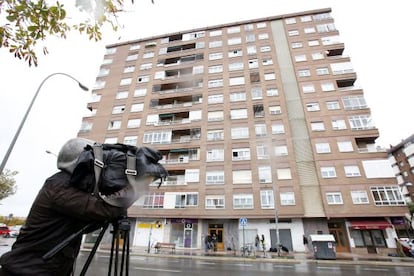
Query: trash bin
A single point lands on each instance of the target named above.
(323, 246)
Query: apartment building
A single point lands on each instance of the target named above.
(262, 130)
(401, 157)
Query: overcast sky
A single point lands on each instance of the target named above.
(377, 36)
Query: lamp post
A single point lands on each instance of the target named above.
(6, 157)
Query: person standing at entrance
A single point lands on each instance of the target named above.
(207, 243)
(257, 242)
(305, 243)
(214, 242)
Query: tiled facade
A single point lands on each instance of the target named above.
(250, 115)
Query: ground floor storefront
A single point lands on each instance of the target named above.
(354, 235)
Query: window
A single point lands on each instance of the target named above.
(234, 41)
(114, 125)
(251, 50)
(256, 93)
(214, 135)
(263, 36)
(214, 99)
(287, 198)
(261, 25)
(317, 56)
(158, 137)
(345, 146)
(265, 49)
(313, 43)
(145, 66)
(275, 110)
(140, 92)
(261, 130)
(236, 66)
(233, 30)
(104, 72)
(323, 28)
(216, 33)
(283, 174)
(300, 58)
(215, 56)
(293, 32)
(132, 57)
(131, 140)
(328, 172)
(250, 38)
(270, 76)
(354, 102)
(154, 201)
(306, 18)
(236, 114)
(138, 107)
(317, 126)
(111, 140)
(254, 77)
(359, 197)
(309, 30)
(338, 124)
(236, 81)
(262, 152)
(312, 107)
(241, 154)
(192, 175)
(242, 177)
(265, 174)
(148, 55)
(352, 171)
(322, 71)
(272, 92)
(387, 195)
(215, 69)
(215, 202)
(214, 155)
(126, 81)
(289, 21)
(327, 86)
(215, 83)
(142, 79)
(214, 177)
(296, 45)
(215, 44)
(134, 123)
(266, 199)
(332, 105)
(281, 150)
(237, 96)
(187, 199)
(334, 198)
(243, 201)
(118, 109)
(358, 122)
(308, 88)
(121, 95)
(278, 128)
(323, 148)
(304, 73)
(253, 63)
(267, 61)
(215, 116)
(235, 53)
(239, 132)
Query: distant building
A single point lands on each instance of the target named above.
(401, 157)
(259, 122)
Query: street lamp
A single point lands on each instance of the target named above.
(6, 157)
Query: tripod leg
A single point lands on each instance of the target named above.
(115, 241)
(95, 247)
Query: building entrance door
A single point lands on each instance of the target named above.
(217, 231)
(337, 229)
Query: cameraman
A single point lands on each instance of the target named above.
(59, 210)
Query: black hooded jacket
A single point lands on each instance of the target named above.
(58, 211)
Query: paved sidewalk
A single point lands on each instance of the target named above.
(341, 258)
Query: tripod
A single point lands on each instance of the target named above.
(121, 229)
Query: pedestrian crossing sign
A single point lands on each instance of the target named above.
(243, 221)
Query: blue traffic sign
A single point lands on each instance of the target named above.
(243, 221)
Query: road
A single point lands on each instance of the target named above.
(205, 266)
